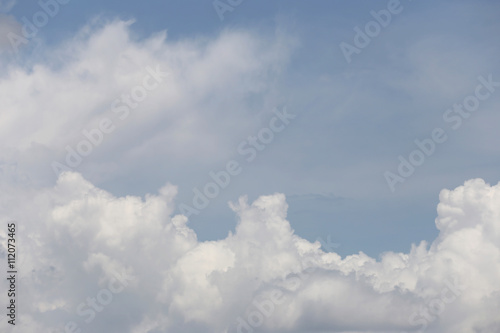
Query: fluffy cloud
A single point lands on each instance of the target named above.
(92, 261)
(78, 242)
(214, 89)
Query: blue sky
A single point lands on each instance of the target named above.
(354, 120)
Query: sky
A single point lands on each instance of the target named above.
(204, 161)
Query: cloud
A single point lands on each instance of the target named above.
(214, 88)
(78, 241)
(87, 257)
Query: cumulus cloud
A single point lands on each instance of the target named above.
(79, 241)
(93, 261)
(214, 89)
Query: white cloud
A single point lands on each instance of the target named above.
(76, 238)
(214, 89)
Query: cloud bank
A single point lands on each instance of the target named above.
(100, 263)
